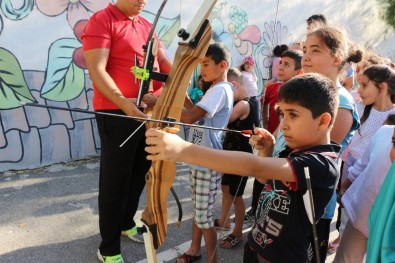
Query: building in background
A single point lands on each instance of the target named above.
(41, 60)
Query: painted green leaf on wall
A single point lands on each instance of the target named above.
(170, 32)
(64, 80)
(13, 86)
(167, 27)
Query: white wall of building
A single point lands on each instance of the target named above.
(31, 138)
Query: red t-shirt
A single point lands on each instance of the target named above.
(110, 28)
(271, 98)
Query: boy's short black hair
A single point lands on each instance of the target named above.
(279, 49)
(296, 55)
(218, 52)
(317, 18)
(312, 91)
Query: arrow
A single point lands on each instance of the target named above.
(169, 121)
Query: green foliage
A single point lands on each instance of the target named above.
(388, 11)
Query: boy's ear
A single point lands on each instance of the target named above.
(300, 71)
(383, 87)
(325, 120)
(338, 60)
(235, 84)
(223, 64)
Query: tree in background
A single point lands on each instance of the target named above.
(388, 12)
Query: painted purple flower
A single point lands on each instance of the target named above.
(76, 9)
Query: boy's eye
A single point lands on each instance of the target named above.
(292, 115)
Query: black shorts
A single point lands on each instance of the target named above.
(236, 183)
(250, 256)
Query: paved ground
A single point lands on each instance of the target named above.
(50, 215)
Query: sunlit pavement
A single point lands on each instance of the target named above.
(50, 215)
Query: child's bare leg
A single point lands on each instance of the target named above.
(239, 216)
(195, 248)
(227, 201)
(210, 238)
(237, 234)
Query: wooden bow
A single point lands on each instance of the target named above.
(146, 73)
(161, 175)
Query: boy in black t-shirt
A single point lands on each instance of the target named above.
(282, 231)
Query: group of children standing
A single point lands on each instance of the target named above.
(313, 121)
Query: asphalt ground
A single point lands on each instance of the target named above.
(50, 214)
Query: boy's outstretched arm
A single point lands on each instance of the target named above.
(166, 146)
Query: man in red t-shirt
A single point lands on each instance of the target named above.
(112, 39)
(290, 66)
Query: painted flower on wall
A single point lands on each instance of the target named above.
(245, 36)
(218, 27)
(76, 9)
(78, 56)
(273, 35)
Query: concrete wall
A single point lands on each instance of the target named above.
(41, 60)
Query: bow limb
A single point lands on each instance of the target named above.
(151, 47)
(169, 106)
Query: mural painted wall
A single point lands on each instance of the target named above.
(41, 60)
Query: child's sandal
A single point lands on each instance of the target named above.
(230, 242)
(220, 228)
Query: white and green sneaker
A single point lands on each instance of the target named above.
(110, 259)
(133, 235)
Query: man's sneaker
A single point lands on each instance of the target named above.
(110, 259)
(249, 216)
(133, 235)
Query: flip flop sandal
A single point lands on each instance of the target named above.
(230, 240)
(220, 228)
(188, 258)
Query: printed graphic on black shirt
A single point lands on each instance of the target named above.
(277, 201)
